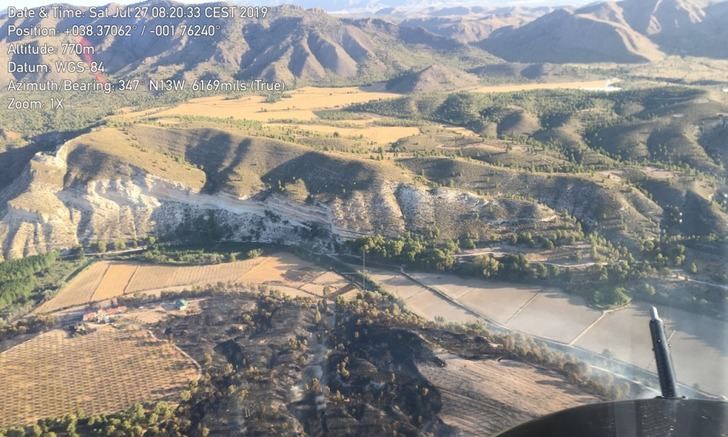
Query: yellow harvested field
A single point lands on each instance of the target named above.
(129, 114)
(299, 106)
(485, 397)
(330, 278)
(151, 277)
(105, 371)
(283, 268)
(83, 285)
(106, 280)
(377, 134)
(461, 131)
(115, 281)
(591, 85)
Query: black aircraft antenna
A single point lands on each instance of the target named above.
(665, 371)
(664, 416)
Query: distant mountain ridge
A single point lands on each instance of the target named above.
(617, 31)
(386, 5)
(465, 24)
(290, 44)
(309, 46)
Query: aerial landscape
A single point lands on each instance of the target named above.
(379, 218)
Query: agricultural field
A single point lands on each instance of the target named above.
(300, 111)
(699, 347)
(108, 279)
(80, 289)
(298, 104)
(382, 135)
(108, 370)
(623, 333)
(498, 301)
(115, 282)
(160, 277)
(574, 316)
(472, 403)
(420, 300)
(591, 85)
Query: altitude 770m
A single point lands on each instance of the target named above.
(77, 49)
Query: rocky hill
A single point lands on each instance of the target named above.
(435, 78)
(665, 127)
(130, 183)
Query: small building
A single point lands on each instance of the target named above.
(181, 304)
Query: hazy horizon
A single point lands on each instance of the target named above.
(329, 5)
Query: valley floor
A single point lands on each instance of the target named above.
(698, 343)
(699, 346)
(206, 323)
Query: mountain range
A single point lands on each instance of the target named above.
(291, 44)
(386, 6)
(624, 31)
(464, 24)
(303, 46)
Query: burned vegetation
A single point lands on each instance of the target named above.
(275, 365)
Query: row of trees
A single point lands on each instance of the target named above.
(28, 325)
(158, 419)
(409, 249)
(603, 285)
(159, 255)
(102, 246)
(511, 267)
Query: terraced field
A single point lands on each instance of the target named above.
(105, 371)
